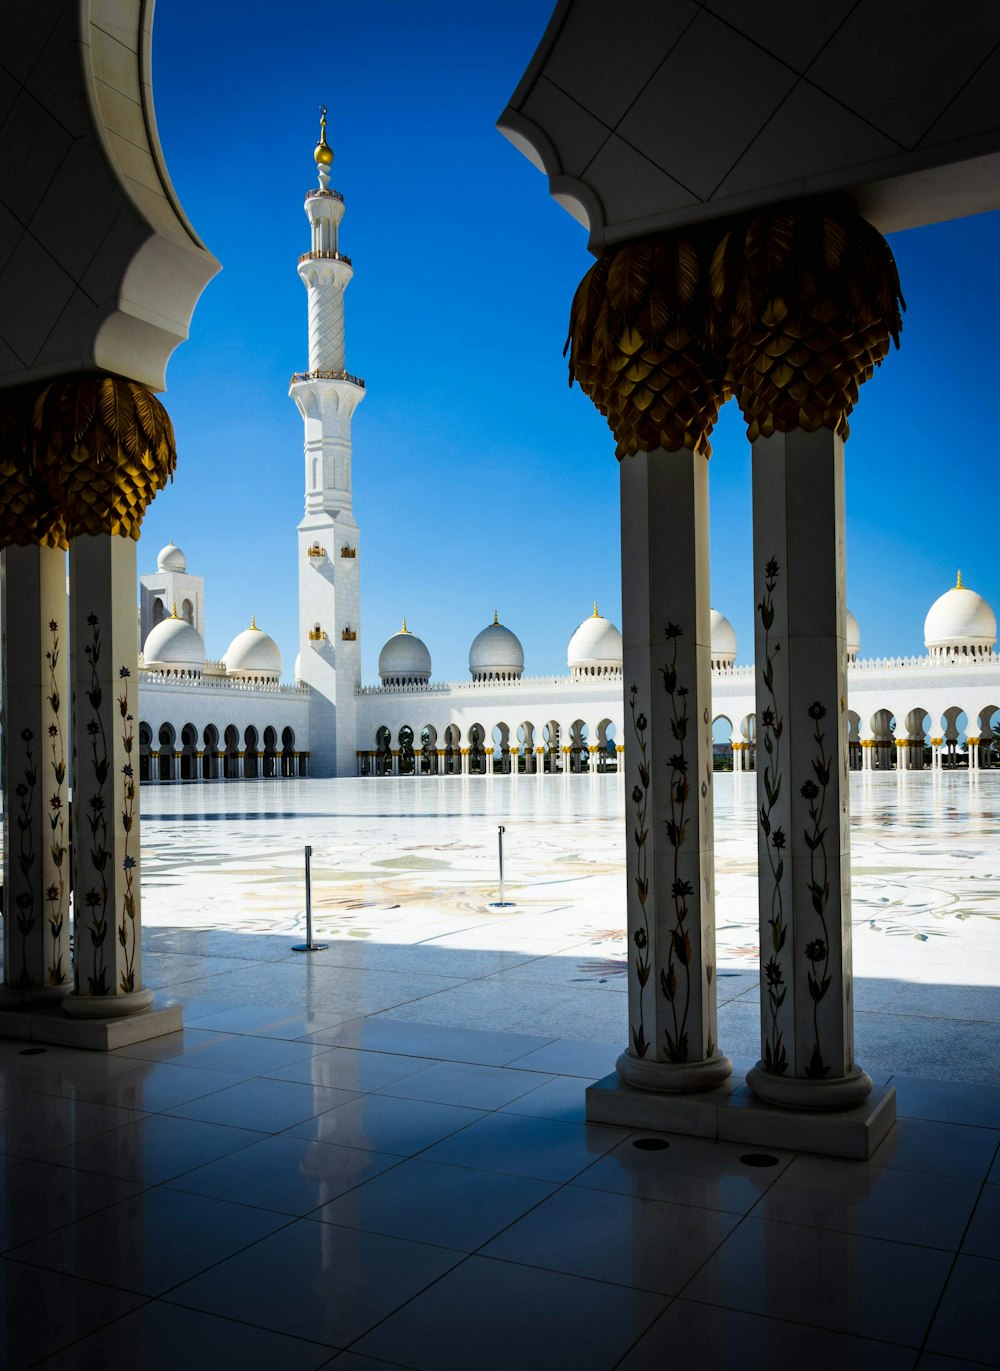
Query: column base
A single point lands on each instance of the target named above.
(671, 1078)
(731, 1113)
(12, 998)
(797, 1092)
(107, 1006)
(49, 1025)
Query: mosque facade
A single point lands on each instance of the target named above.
(234, 719)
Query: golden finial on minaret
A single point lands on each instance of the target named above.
(253, 624)
(595, 614)
(496, 618)
(958, 582)
(173, 612)
(323, 153)
(404, 629)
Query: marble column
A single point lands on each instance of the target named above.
(36, 876)
(154, 767)
(972, 742)
(514, 753)
(807, 1054)
(668, 720)
(104, 675)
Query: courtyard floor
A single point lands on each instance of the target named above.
(375, 1156)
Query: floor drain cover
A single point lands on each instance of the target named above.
(758, 1159)
(31, 1051)
(651, 1144)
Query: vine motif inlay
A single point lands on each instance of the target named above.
(640, 801)
(680, 949)
(97, 896)
(127, 935)
(25, 900)
(818, 950)
(55, 892)
(775, 1057)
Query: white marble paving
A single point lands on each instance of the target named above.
(405, 870)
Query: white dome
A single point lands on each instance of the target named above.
(496, 654)
(254, 655)
(852, 635)
(171, 558)
(960, 624)
(595, 649)
(723, 640)
(171, 644)
(404, 660)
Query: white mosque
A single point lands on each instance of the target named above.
(233, 719)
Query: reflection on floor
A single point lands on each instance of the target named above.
(375, 1156)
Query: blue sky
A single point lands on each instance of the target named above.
(480, 480)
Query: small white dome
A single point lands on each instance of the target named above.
(173, 644)
(496, 654)
(171, 558)
(404, 660)
(852, 636)
(595, 649)
(960, 624)
(253, 655)
(723, 640)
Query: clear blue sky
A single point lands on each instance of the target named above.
(481, 481)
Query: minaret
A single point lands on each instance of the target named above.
(326, 396)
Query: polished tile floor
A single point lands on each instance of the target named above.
(376, 1156)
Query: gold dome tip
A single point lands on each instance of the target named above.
(958, 582)
(323, 153)
(404, 629)
(496, 618)
(595, 614)
(173, 612)
(253, 623)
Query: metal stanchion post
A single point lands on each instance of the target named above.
(309, 945)
(502, 903)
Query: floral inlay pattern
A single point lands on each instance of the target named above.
(640, 804)
(56, 891)
(127, 933)
(677, 988)
(775, 1057)
(818, 950)
(93, 918)
(25, 902)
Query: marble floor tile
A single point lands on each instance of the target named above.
(154, 1150)
(994, 1172)
(385, 1123)
(45, 1311)
(36, 1197)
(476, 1087)
(290, 1175)
(591, 1061)
(616, 1238)
(151, 1241)
(431, 1040)
(983, 1237)
(563, 1097)
(967, 1322)
(520, 1145)
(317, 1281)
(557, 1011)
(449, 1206)
(514, 1316)
(863, 1286)
(350, 1361)
(938, 1149)
(244, 1055)
(255, 1018)
(262, 1103)
(56, 1070)
(857, 1198)
(171, 1046)
(50, 1122)
(948, 1101)
(698, 1335)
(696, 1171)
(153, 1086)
(163, 1337)
(345, 1068)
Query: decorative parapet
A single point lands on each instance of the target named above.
(317, 634)
(315, 551)
(349, 635)
(298, 376)
(577, 684)
(329, 193)
(325, 256)
(347, 551)
(160, 678)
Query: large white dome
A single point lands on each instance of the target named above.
(253, 655)
(496, 654)
(170, 558)
(595, 649)
(852, 634)
(960, 624)
(173, 644)
(404, 660)
(723, 640)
